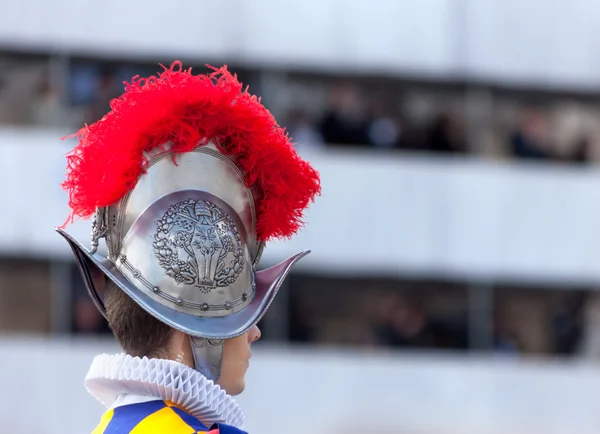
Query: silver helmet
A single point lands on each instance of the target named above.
(183, 237)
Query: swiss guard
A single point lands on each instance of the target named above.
(186, 179)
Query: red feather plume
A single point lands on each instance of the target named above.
(189, 111)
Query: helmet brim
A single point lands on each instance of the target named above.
(95, 266)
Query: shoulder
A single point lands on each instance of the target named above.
(156, 417)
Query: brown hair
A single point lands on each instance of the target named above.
(138, 332)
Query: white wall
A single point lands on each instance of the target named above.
(404, 214)
(313, 33)
(544, 43)
(326, 391)
(539, 42)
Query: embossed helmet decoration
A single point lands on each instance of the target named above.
(187, 177)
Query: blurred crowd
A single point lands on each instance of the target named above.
(365, 313)
(559, 129)
(428, 315)
(321, 111)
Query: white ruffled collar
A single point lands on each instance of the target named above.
(111, 376)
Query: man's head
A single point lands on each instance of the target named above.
(142, 335)
(186, 178)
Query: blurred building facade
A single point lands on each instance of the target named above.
(458, 142)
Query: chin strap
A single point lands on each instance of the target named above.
(208, 356)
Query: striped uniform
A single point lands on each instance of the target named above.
(156, 417)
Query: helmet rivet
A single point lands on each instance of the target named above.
(156, 289)
(179, 301)
(227, 305)
(204, 306)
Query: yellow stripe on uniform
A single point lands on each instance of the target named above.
(161, 422)
(106, 418)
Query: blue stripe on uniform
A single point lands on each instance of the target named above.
(189, 419)
(126, 417)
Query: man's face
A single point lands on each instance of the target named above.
(236, 360)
